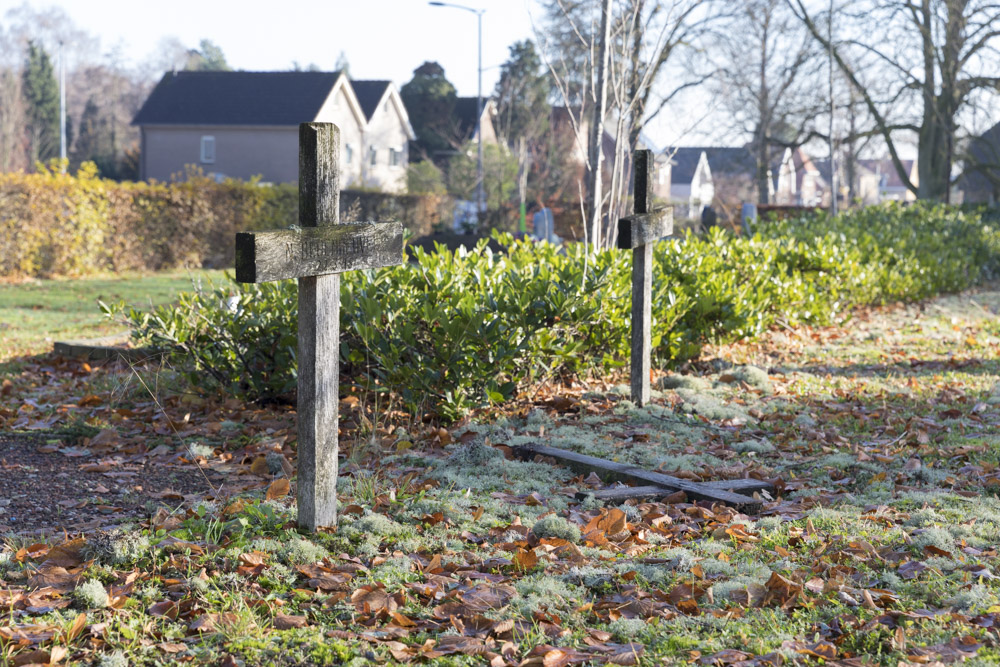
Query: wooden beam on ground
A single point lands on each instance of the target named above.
(611, 471)
(622, 493)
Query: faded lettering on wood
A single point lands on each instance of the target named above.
(315, 251)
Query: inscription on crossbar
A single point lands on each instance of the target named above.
(315, 251)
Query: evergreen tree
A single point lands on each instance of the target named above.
(430, 101)
(94, 140)
(208, 57)
(522, 95)
(41, 97)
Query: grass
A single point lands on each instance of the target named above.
(884, 548)
(35, 313)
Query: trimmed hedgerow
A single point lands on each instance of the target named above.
(452, 330)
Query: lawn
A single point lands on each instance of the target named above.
(35, 313)
(881, 547)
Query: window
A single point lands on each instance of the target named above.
(393, 157)
(348, 153)
(208, 149)
(372, 156)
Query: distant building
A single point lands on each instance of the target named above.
(245, 124)
(980, 180)
(387, 135)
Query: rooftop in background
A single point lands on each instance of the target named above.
(721, 160)
(369, 94)
(236, 98)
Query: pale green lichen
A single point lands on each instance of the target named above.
(541, 590)
(711, 407)
(91, 595)
(556, 526)
(753, 376)
(934, 537)
(692, 382)
(114, 659)
(300, 551)
(762, 446)
(973, 599)
(116, 547)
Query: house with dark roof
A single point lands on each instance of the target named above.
(980, 180)
(387, 135)
(690, 177)
(245, 124)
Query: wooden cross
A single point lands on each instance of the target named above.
(638, 233)
(315, 254)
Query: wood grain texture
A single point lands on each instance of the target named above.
(621, 493)
(319, 174)
(318, 400)
(314, 251)
(641, 229)
(609, 471)
(642, 324)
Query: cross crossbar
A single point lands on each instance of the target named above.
(314, 251)
(642, 229)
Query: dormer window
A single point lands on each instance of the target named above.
(207, 149)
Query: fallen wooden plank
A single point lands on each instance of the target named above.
(743, 486)
(610, 471)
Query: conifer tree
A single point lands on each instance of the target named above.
(41, 97)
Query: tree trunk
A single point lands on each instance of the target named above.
(597, 128)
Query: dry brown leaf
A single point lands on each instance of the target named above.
(279, 489)
(289, 621)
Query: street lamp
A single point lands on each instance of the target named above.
(480, 204)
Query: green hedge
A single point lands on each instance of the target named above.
(449, 331)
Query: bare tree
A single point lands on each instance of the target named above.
(768, 78)
(645, 38)
(934, 56)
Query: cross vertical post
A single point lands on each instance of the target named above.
(314, 252)
(639, 232)
(319, 335)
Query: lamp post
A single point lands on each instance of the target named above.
(480, 204)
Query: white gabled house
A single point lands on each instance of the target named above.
(387, 135)
(245, 124)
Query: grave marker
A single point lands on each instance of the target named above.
(638, 233)
(315, 254)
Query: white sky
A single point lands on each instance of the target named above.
(383, 39)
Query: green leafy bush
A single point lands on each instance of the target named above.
(451, 330)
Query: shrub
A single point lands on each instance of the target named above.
(452, 330)
(53, 223)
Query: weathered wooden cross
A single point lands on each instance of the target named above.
(638, 233)
(315, 254)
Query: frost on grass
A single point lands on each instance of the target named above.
(556, 526)
(116, 547)
(627, 629)
(91, 595)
